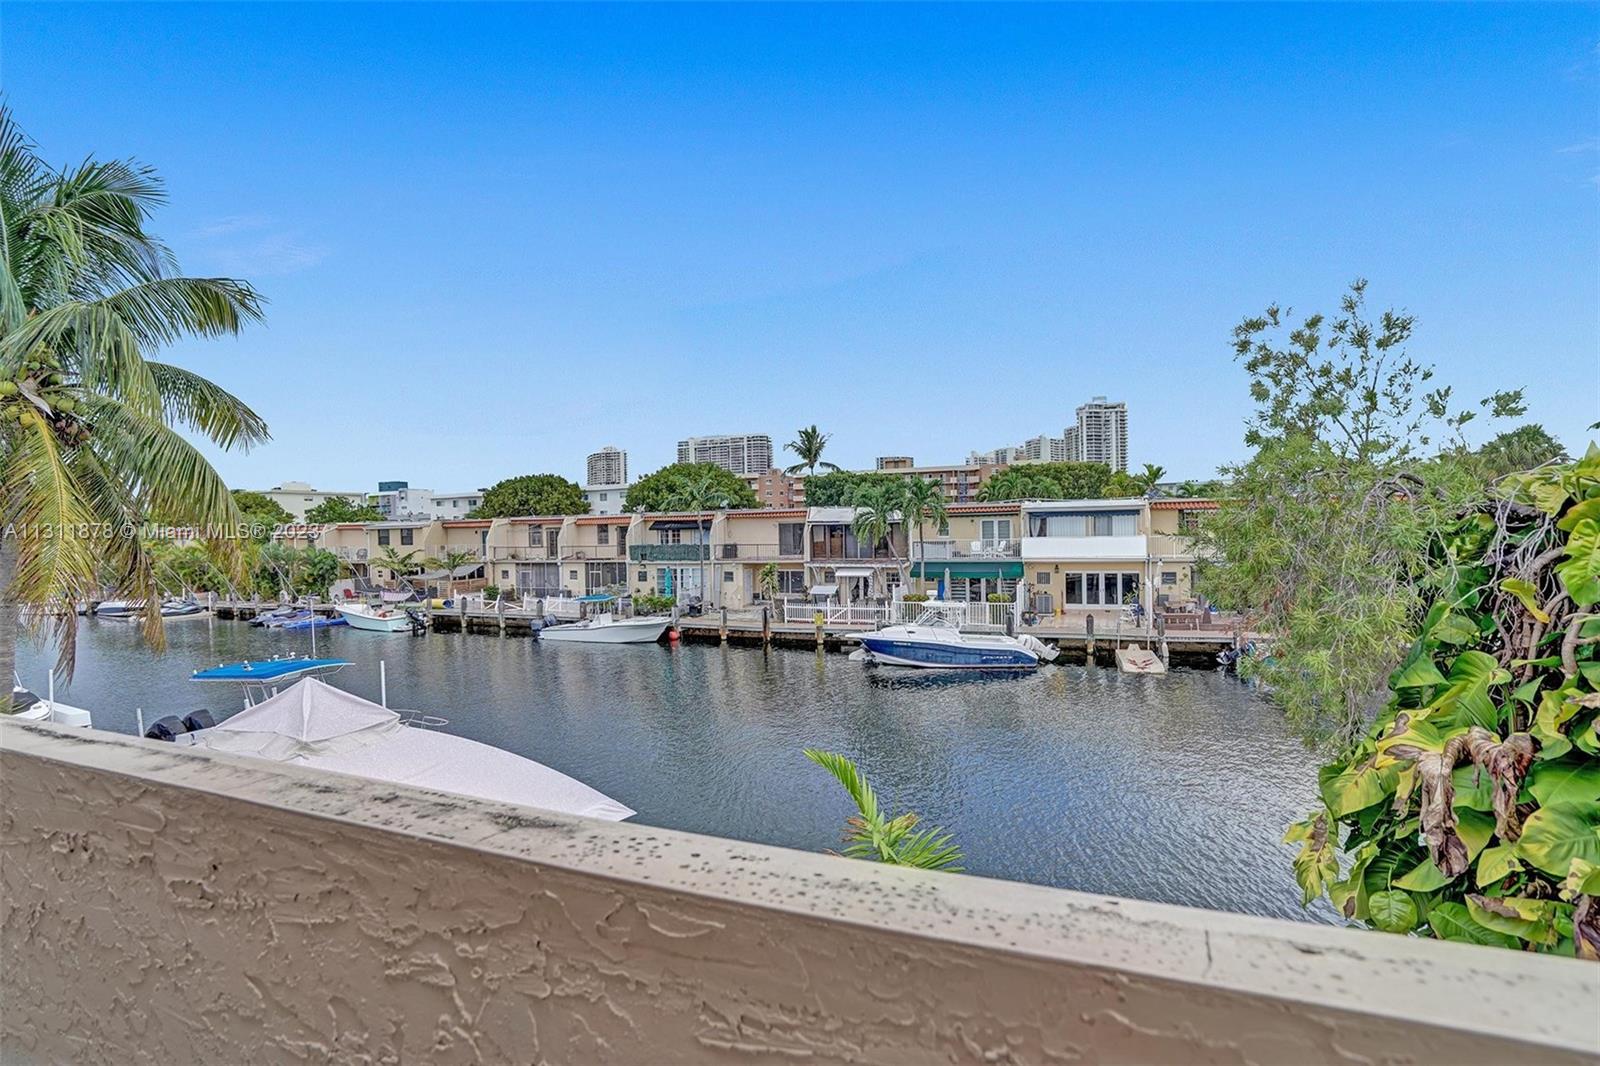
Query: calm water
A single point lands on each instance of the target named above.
(1171, 788)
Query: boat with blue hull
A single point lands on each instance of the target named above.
(935, 642)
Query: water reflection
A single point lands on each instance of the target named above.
(1172, 788)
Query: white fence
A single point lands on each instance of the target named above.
(960, 613)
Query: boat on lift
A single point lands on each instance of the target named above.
(605, 627)
(27, 706)
(936, 641)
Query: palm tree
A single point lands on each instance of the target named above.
(878, 508)
(452, 560)
(700, 494)
(924, 503)
(871, 834)
(398, 565)
(808, 445)
(1150, 475)
(90, 437)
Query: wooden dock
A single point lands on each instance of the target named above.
(1196, 646)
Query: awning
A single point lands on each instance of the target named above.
(937, 568)
(824, 590)
(852, 571)
(681, 523)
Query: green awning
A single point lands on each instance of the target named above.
(936, 569)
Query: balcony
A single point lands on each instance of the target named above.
(247, 896)
(669, 553)
(1090, 549)
(523, 554)
(946, 549)
(746, 552)
(580, 552)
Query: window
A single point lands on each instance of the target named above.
(604, 497)
(791, 538)
(383, 538)
(995, 529)
(1073, 589)
(551, 536)
(406, 536)
(1091, 588)
(727, 577)
(644, 575)
(669, 536)
(602, 535)
(572, 575)
(1087, 524)
(1042, 577)
(1169, 577)
(505, 574)
(535, 536)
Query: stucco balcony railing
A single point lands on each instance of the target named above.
(579, 552)
(166, 905)
(669, 553)
(748, 552)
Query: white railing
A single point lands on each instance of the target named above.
(956, 612)
(835, 614)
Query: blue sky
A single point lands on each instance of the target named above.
(542, 229)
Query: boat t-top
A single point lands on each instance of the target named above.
(604, 627)
(261, 678)
(936, 641)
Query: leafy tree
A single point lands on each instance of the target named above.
(319, 569)
(1056, 481)
(452, 560)
(924, 505)
(1323, 540)
(532, 494)
(768, 581)
(337, 509)
(838, 488)
(262, 514)
(808, 445)
(278, 569)
(871, 834)
(186, 568)
(1470, 810)
(655, 492)
(90, 426)
(1201, 489)
(1517, 449)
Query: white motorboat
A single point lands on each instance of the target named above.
(313, 724)
(376, 619)
(933, 641)
(608, 629)
(28, 707)
(1139, 660)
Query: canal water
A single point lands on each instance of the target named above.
(1174, 788)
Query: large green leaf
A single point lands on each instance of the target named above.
(1555, 835)
(1350, 895)
(1417, 672)
(1495, 863)
(1475, 831)
(1580, 572)
(1454, 629)
(1578, 512)
(1525, 592)
(1392, 911)
(1452, 921)
(1555, 708)
(1349, 789)
(1474, 788)
(1571, 780)
(1533, 920)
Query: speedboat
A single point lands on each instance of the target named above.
(26, 706)
(278, 620)
(376, 619)
(933, 641)
(261, 678)
(311, 621)
(605, 627)
(608, 629)
(316, 725)
(1138, 660)
(116, 608)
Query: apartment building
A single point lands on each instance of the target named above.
(959, 481)
(742, 453)
(894, 462)
(397, 499)
(1101, 435)
(298, 497)
(775, 488)
(608, 466)
(449, 506)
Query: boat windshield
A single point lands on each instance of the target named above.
(942, 615)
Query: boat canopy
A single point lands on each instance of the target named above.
(267, 670)
(681, 523)
(596, 597)
(314, 724)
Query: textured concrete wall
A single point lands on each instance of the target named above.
(163, 906)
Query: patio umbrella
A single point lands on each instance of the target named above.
(314, 724)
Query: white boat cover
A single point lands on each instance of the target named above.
(314, 724)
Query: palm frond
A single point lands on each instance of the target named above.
(869, 835)
(191, 400)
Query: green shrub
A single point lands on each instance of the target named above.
(491, 593)
(999, 597)
(915, 597)
(652, 604)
